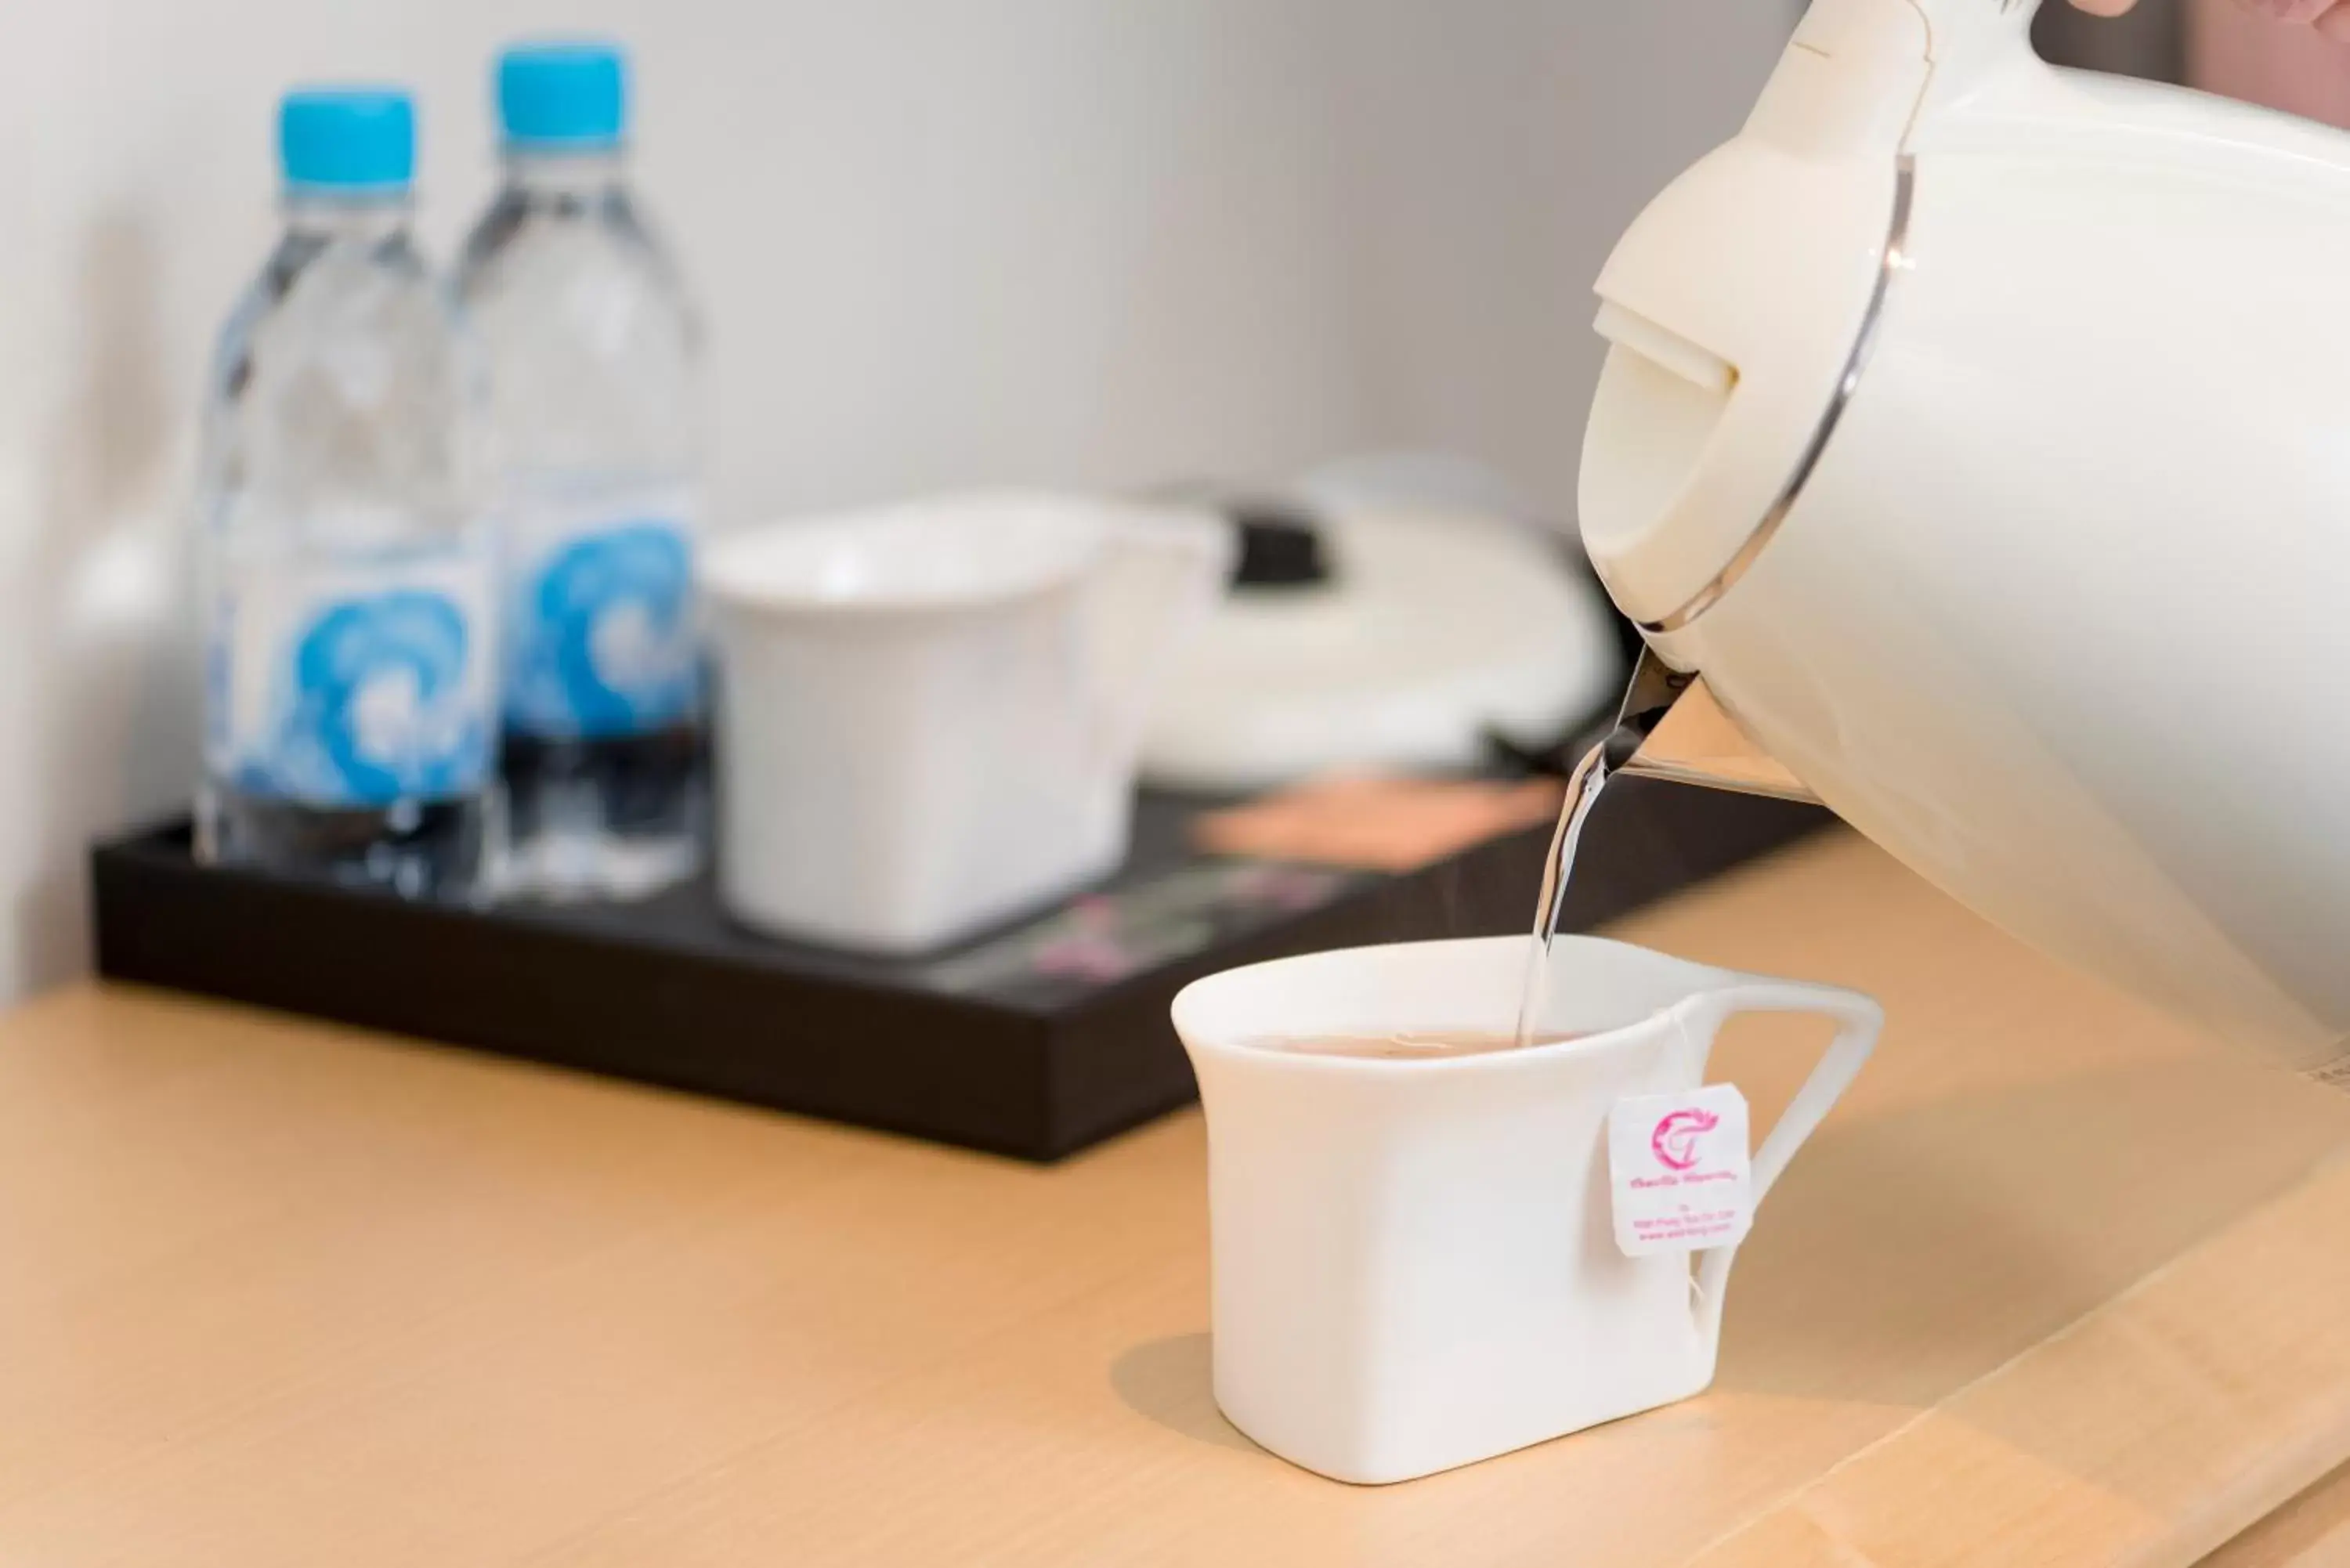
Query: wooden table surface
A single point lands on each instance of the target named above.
(2059, 1283)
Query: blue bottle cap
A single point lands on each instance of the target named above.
(568, 96)
(348, 139)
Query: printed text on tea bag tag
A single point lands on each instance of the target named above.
(1679, 1163)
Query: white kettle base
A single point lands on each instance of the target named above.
(1438, 629)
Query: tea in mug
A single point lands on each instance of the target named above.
(1429, 1045)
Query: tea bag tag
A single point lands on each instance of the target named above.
(1681, 1171)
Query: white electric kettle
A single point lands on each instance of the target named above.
(1978, 433)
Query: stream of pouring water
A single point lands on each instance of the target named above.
(1583, 787)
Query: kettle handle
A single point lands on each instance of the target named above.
(1859, 1019)
(1943, 16)
(1969, 39)
(1872, 69)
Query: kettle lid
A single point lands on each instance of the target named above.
(1734, 306)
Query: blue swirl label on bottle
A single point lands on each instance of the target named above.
(602, 639)
(339, 688)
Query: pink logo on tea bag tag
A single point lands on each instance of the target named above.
(1680, 1169)
(1675, 1139)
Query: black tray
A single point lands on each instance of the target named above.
(1036, 1040)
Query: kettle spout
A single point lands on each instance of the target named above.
(1671, 727)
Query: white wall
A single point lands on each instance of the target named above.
(940, 241)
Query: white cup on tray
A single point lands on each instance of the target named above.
(929, 714)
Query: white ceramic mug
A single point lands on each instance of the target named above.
(929, 715)
(1414, 1264)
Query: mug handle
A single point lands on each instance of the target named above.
(1163, 571)
(1859, 1019)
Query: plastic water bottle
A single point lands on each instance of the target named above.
(348, 574)
(592, 349)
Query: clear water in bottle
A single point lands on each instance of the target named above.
(591, 348)
(350, 676)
